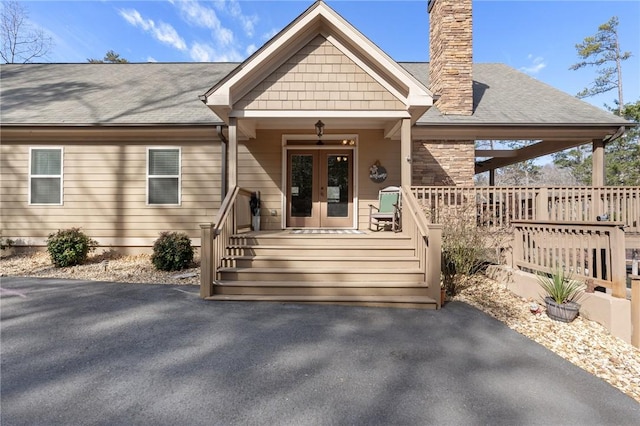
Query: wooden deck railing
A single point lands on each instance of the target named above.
(588, 251)
(233, 216)
(499, 206)
(427, 242)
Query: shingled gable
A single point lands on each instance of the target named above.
(287, 65)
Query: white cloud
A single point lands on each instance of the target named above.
(248, 21)
(151, 59)
(202, 16)
(250, 49)
(162, 32)
(268, 36)
(537, 65)
(202, 52)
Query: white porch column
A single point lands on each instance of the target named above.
(405, 153)
(233, 153)
(598, 173)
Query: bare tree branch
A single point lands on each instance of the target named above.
(20, 42)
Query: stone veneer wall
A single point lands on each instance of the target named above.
(451, 56)
(446, 163)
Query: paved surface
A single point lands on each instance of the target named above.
(84, 353)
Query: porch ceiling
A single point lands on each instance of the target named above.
(390, 125)
(549, 145)
(550, 138)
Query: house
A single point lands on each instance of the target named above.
(127, 151)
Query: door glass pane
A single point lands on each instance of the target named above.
(301, 185)
(337, 185)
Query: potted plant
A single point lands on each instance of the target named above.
(562, 295)
(254, 205)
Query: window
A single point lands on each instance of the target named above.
(163, 176)
(45, 176)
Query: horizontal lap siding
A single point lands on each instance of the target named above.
(105, 193)
(374, 147)
(260, 169)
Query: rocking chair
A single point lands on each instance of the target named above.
(388, 214)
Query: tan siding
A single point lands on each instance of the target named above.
(372, 147)
(319, 77)
(105, 192)
(260, 169)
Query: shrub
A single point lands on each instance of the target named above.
(463, 247)
(69, 247)
(172, 251)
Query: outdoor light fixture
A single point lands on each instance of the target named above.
(319, 132)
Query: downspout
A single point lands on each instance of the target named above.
(224, 180)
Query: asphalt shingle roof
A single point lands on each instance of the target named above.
(112, 94)
(167, 93)
(503, 95)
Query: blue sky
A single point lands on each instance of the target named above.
(536, 37)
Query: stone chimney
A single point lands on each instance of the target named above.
(451, 55)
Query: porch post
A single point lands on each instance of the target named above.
(206, 260)
(405, 153)
(492, 177)
(233, 153)
(597, 177)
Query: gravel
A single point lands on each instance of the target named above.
(584, 343)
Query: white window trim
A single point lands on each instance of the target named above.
(61, 175)
(179, 176)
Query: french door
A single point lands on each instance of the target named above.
(320, 188)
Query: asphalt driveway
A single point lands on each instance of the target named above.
(87, 353)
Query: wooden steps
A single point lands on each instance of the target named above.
(409, 302)
(318, 262)
(358, 269)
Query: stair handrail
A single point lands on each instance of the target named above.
(427, 241)
(225, 208)
(216, 237)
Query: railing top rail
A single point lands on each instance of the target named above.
(600, 224)
(525, 187)
(225, 209)
(246, 192)
(416, 210)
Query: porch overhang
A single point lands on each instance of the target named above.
(550, 138)
(412, 99)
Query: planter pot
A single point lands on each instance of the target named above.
(443, 294)
(564, 312)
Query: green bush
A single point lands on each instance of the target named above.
(172, 251)
(69, 247)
